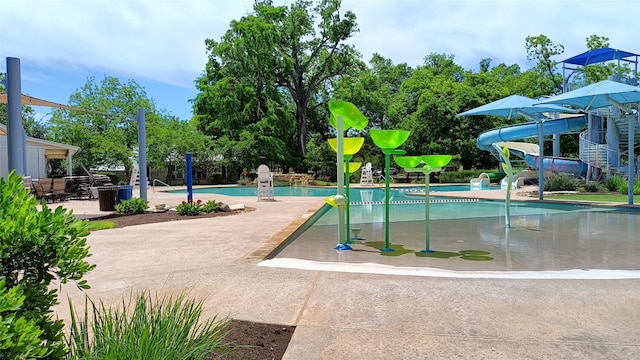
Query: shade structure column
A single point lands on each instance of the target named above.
(16, 147)
(541, 166)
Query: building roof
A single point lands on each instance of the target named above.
(52, 150)
(598, 56)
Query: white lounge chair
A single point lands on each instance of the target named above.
(480, 183)
(515, 184)
(265, 183)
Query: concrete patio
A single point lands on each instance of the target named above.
(356, 315)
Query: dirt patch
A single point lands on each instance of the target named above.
(259, 341)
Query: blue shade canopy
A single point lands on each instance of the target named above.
(598, 56)
(514, 106)
(596, 95)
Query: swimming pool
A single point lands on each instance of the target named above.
(371, 194)
(542, 237)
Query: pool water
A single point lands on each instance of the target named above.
(542, 237)
(376, 194)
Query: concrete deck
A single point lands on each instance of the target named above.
(356, 315)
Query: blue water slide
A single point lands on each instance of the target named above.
(557, 164)
(528, 130)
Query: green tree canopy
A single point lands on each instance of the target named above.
(267, 79)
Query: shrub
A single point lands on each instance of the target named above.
(614, 183)
(37, 247)
(19, 337)
(132, 206)
(210, 206)
(462, 176)
(560, 183)
(160, 328)
(592, 187)
(624, 187)
(191, 208)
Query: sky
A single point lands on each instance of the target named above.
(160, 43)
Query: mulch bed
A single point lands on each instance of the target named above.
(150, 217)
(259, 340)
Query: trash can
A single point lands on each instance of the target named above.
(107, 196)
(125, 192)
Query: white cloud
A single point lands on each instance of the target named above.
(163, 40)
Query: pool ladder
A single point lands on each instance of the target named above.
(153, 184)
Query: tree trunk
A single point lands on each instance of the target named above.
(301, 125)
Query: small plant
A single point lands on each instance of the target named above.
(560, 183)
(615, 183)
(191, 208)
(210, 206)
(144, 327)
(132, 206)
(244, 181)
(592, 187)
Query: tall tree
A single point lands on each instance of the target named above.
(541, 49)
(295, 49)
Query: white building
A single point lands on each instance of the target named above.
(39, 152)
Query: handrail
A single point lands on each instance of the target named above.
(153, 184)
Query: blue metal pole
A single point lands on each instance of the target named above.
(632, 156)
(142, 153)
(15, 143)
(189, 179)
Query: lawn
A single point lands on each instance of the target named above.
(612, 197)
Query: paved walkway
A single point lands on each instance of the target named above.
(357, 315)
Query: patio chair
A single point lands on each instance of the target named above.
(43, 188)
(94, 194)
(265, 183)
(58, 189)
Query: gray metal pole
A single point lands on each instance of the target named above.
(142, 153)
(15, 143)
(541, 157)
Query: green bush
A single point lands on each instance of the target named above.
(592, 187)
(191, 208)
(615, 183)
(37, 247)
(160, 328)
(132, 206)
(462, 176)
(560, 183)
(210, 206)
(19, 337)
(624, 186)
